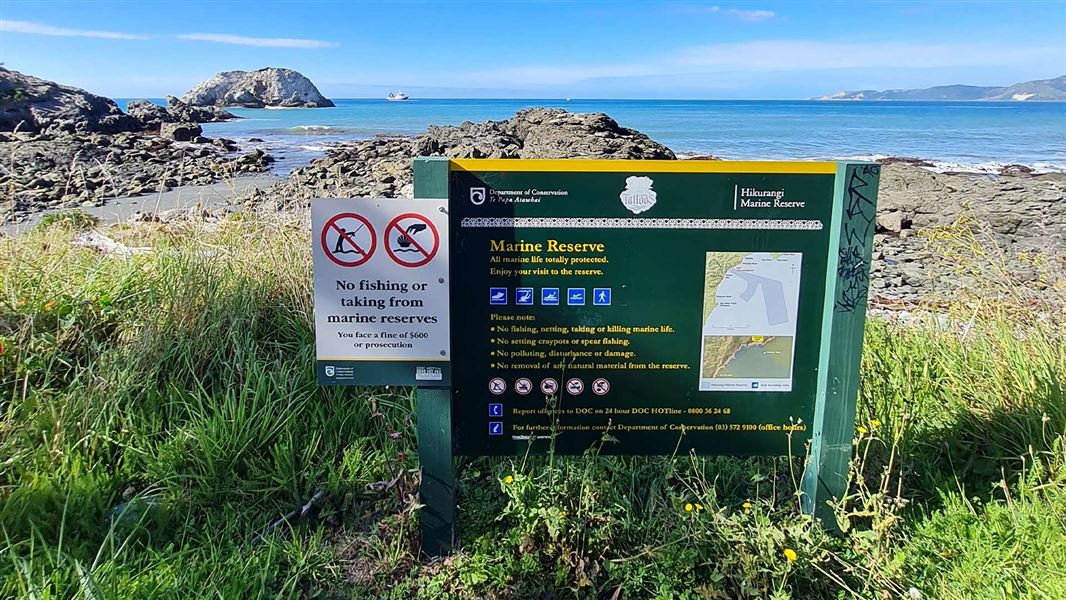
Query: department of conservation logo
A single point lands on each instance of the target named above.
(477, 196)
(638, 195)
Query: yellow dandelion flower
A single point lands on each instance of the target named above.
(688, 507)
(861, 430)
(508, 480)
(875, 423)
(791, 555)
(746, 505)
(699, 506)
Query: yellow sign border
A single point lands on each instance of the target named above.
(568, 165)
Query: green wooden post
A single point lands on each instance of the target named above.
(437, 492)
(844, 315)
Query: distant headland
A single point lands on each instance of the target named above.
(1040, 90)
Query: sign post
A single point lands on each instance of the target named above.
(382, 318)
(434, 408)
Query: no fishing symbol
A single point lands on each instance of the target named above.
(411, 240)
(349, 240)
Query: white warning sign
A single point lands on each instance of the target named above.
(380, 290)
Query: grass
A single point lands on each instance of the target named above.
(159, 413)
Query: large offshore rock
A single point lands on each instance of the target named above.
(37, 105)
(257, 89)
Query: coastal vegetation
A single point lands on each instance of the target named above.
(159, 417)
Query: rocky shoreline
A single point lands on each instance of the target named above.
(44, 171)
(86, 151)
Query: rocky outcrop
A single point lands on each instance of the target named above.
(180, 132)
(47, 171)
(382, 166)
(182, 111)
(152, 116)
(149, 114)
(1028, 213)
(257, 89)
(36, 105)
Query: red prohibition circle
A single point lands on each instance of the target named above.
(427, 255)
(366, 254)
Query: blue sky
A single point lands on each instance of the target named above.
(591, 49)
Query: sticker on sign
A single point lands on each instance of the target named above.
(382, 315)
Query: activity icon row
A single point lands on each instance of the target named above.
(549, 296)
(549, 386)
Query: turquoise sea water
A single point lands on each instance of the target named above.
(956, 135)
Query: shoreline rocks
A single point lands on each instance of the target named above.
(36, 105)
(257, 89)
(46, 171)
(382, 166)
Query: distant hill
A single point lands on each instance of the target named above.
(1043, 90)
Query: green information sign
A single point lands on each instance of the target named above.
(652, 307)
(670, 305)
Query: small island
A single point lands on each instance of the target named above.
(262, 88)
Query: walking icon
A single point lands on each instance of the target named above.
(575, 296)
(523, 296)
(601, 296)
(549, 296)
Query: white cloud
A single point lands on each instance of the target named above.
(42, 29)
(240, 40)
(750, 15)
(736, 13)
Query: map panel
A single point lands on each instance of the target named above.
(750, 305)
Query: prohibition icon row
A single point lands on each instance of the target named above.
(349, 240)
(549, 386)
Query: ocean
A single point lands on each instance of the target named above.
(957, 136)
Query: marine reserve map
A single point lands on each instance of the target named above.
(749, 321)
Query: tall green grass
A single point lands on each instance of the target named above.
(159, 412)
